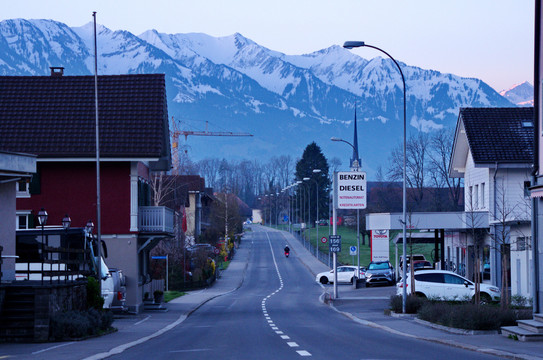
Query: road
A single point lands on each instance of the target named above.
(276, 314)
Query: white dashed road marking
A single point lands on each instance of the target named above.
(265, 311)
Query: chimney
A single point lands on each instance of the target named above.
(57, 70)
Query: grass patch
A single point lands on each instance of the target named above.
(170, 295)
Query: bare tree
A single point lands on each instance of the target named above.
(416, 162)
(440, 153)
(474, 225)
(506, 211)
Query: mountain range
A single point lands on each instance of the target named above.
(237, 85)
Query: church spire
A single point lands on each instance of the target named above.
(355, 160)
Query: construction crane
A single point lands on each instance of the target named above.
(176, 132)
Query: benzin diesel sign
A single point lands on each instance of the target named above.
(350, 190)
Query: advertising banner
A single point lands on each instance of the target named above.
(380, 245)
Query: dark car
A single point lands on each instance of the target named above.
(119, 290)
(380, 272)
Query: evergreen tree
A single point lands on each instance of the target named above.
(313, 159)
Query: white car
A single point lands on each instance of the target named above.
(345, 274)
(446, 285)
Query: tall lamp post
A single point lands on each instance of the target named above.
(316, 171)
(356, 44)
(356, 167)
(42, 219)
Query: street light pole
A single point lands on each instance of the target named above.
(356, 44)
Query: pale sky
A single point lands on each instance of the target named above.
(487, 39)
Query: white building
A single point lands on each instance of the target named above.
(493, 152)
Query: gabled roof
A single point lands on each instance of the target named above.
(54, 116)
(493, 135)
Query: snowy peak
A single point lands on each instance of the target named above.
(520, 94)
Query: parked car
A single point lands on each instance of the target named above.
(380, 272)
(420, 265)
(414, 257)
(323, 222)
(345, 274)
(119, 290)
(446, 285)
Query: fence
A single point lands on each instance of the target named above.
(324, 257)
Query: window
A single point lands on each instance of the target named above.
(483, 205)
(523, 242)
(527, 185)
(23, 189)
(24, 220)
(476, 197)
(453, 279)
(470, 198)
(434, 278)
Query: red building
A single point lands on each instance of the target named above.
(54, 118)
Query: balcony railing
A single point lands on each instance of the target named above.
(156, 219)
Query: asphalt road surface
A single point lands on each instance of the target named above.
(276, 314)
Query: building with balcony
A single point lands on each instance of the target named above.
(54, 118)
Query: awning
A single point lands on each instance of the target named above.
(536, 191)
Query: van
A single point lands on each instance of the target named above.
(119, 290)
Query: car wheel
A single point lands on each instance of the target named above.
(485, 299)
(420, 295)
(324, 280)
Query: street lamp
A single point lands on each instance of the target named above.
(317, 171)
(356, 44)
(66, 222)
(42, 219)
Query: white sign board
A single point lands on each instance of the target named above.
(380, 246)
(350, 190)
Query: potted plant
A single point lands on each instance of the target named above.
(159, 296)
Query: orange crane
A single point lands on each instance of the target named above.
(175, 132)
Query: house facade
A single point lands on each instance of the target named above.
(54, 117)
(493, 152)
(15, 172)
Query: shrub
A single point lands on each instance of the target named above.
(412, 303)
(470, 316)
(94, 298)
(77, 324)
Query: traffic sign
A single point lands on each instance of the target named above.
(352, 250)
(335, 243)
(216, 250)
(158, 257)
(324, 239)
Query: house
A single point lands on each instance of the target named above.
(493, 152)
(188, 195)
(15, 171)
(54, 117)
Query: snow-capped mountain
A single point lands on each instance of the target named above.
(285, 101)
(520, 94)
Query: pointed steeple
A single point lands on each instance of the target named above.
(358, 163)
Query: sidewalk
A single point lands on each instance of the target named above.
(351, 304)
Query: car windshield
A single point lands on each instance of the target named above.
(378, 266)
